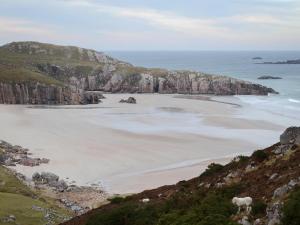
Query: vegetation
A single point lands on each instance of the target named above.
(291, 209)
(212, 169)
(19, 74)
(184, 208)
(259, 208)
(260, 155)
(17, 199)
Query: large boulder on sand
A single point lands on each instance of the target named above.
(130, 100)
(92, 97)
(290, 136)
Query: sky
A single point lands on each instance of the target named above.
(154, 24)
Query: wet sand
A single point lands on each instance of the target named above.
(128, 148)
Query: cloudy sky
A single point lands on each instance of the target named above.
(154, 24)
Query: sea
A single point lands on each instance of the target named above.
(237, 64)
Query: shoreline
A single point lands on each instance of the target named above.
(155, 137)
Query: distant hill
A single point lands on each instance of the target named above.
(39, 73)
(271, 177)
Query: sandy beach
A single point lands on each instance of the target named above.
(131, 147)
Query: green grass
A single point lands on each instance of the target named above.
(20, 74)
(291, 209)
(17, 199)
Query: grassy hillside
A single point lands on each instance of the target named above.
(24, 204)
(206, 200)
(22, 61)
(21, 74)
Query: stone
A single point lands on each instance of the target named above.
(37, 208)
(36, 176)
(244, 221)
(60, 185)
(130, 100)
(274, 213)
(290, 136)
(293, 183)
(273, 176)
(281, 191)
(92, 97)
(281, 149)
(257, 222)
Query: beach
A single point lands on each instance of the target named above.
(126, 148)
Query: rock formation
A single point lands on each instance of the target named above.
(130, 100)
(50, 74)
(37, 93)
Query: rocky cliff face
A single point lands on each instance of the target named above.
(83, 70)
(35, 93)
(171, 82)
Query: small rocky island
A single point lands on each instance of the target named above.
(257, 58)
(269, 78)
(295, 61)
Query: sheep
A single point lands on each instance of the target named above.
(145, 200)
(240, 202)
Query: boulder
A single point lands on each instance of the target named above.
(290, 136)
(281, 191)
(92, 97)
(130, 100)
(274, 213)
(45, 178)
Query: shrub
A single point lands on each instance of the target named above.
(242, 158)
(291, 209)
(259, 208)
(259, 155)
(116, 200)
(212, 169)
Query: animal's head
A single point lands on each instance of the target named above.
(234, 200)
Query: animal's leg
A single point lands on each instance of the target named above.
(249, 209)
(239, 210)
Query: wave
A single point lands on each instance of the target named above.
(294, 100)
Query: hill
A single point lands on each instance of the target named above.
(19, 204)
(271, 177)
(39, 73)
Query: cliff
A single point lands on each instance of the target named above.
(37, 93)
(61, 75)
(271, 177)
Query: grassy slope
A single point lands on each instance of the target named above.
(10, 74)
(21, 66)
(17, 199)
(189, 203)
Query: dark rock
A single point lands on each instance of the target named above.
(268, 78)
(45, 178)
(295, 61)
(290, 136)
(130, 100)
(92, 97)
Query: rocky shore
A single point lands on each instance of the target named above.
(78, 199)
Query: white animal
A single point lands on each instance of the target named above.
(145, 200)
(240, 202)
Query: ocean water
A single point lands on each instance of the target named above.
(238, 64)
